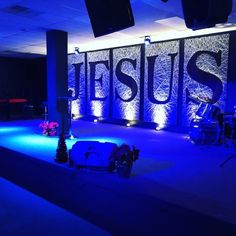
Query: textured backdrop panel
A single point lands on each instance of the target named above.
(99, 108)
(126, 83)
(77, 82)
(164, 87)
(205, 72)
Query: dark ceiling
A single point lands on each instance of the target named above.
(23, 25)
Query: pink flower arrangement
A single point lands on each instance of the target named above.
(49, 128)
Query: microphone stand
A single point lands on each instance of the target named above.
(45, 113)
(70, 136)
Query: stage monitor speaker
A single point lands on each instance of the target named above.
(108, 16)
(92, 154)
(199, 14)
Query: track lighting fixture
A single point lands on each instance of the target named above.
(76, 50)
(147, 40)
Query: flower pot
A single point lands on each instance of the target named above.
(124, 170)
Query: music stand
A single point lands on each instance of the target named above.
(70, 135)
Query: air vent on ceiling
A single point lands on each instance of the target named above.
(20, 11)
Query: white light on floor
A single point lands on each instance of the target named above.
(159, 127)
(71, 137)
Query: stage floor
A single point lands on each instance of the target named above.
(173, 180)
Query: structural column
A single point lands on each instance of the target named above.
(57, 79)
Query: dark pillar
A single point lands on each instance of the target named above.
(231, 82)
(57, 79)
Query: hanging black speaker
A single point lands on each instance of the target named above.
(108, 16)
(199, 14)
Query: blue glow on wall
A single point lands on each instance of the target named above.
(98, 83)
(126, 83)
(161, 83)
(76, 82)
(163, 93)
(205, 72)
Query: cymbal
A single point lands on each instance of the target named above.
(200, 99)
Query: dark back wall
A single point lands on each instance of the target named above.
(23, 78)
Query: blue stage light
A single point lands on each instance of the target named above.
(33, 144)
(10, 129)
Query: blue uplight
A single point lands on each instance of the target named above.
(10, 129)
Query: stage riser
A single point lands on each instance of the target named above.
(104, 199)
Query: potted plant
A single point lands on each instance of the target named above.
(49, 128)
(123, 157)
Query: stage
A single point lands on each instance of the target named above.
(176, 187)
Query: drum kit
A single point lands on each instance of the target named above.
(210, 126)
(206, 126)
